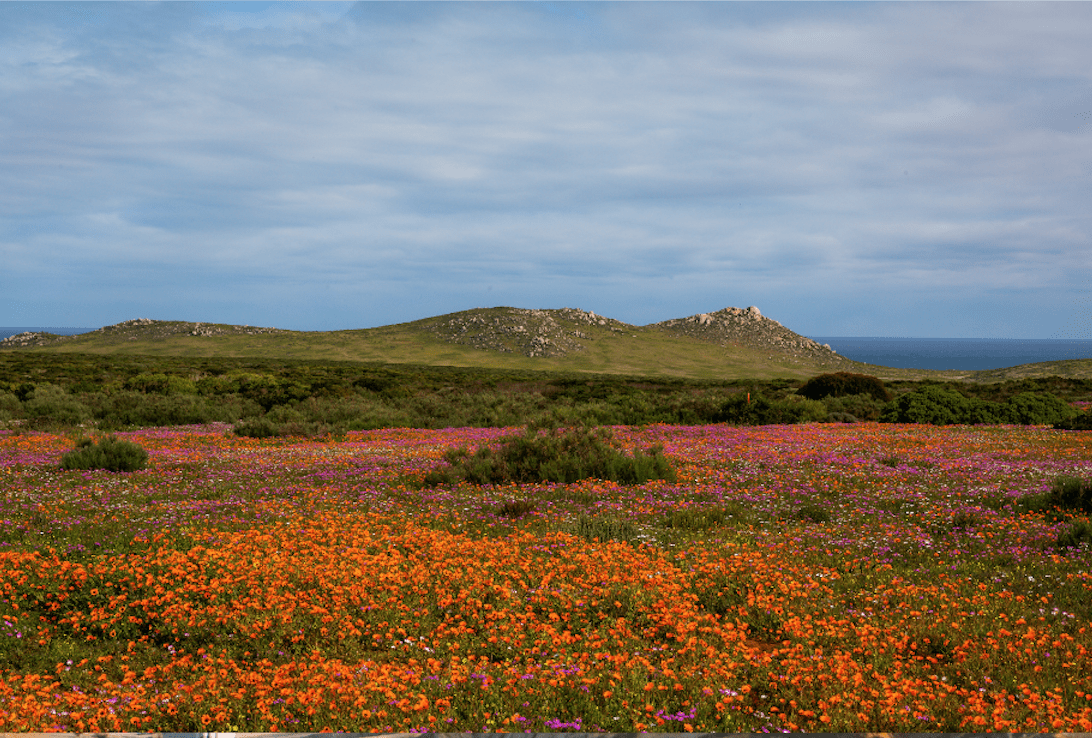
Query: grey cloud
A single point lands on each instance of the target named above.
(637, 145)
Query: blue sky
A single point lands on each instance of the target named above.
(857, 169)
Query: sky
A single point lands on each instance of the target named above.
(904, 169)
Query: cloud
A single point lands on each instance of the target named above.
(643, 160)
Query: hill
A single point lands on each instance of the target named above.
(728, 344)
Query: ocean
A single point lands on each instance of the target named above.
(959, 354)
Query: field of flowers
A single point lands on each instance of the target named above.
(846, 578)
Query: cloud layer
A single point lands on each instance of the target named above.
(910, 169)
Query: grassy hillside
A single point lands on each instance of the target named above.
(741, 346)
(634, 350)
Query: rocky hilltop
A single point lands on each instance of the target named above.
(140, 329)
(522, 331)
(560, 332)
(735, 327)
(505, 330)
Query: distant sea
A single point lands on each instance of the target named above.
(960, 354)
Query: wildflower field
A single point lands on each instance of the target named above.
(820, 577)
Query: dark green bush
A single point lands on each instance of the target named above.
(160, 384)
(1078, 421)
(262, 427)
(128, 408)
(757, 410)
(10, 407)
(50, 405)
(1029, 408)
(860, 407)
(1079, 535)
(110, 453)
(935, 405)
(1066, 494)
(562, 456)
(841, 384)
(285, 421)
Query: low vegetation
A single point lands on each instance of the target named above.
(265, 398)
(852, 578)
(937, 405)
(842, 384)
(559, 455)
(110, 453)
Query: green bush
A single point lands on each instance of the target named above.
(841, 384)
(285, 421)
(111, 453)
(861, 407)
(935, 405)
(160, 384)
(757, 410)
(553, 455)
(1078, 421)
(128, 408)
(1066, 494)
(10, 407)
(1079, 535)
(50, 405)
(1029, 408)
(261, 427)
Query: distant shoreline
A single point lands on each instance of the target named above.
(958, 354)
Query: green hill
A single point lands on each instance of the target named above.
(729, 344)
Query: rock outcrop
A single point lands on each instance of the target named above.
(522, 331)
(749, 328)
(29, 338)
(140, 328)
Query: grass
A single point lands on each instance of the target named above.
(640, 350)
(817, 578)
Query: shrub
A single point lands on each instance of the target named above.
(934, 405)
(603, 529)
(1079, 535)
(262, 427)
(109, 453)
(1029, 408)
(859, 407)
(938, 405)
(516, 508)
(697, 519)
(10, 407)
(284, 421)
(160, 384)
(49, 404)
(130, 408)
(1079, 421)
(812, 513)
(758, 410)
(1065, 494)
(553, 455)
(841, 384)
